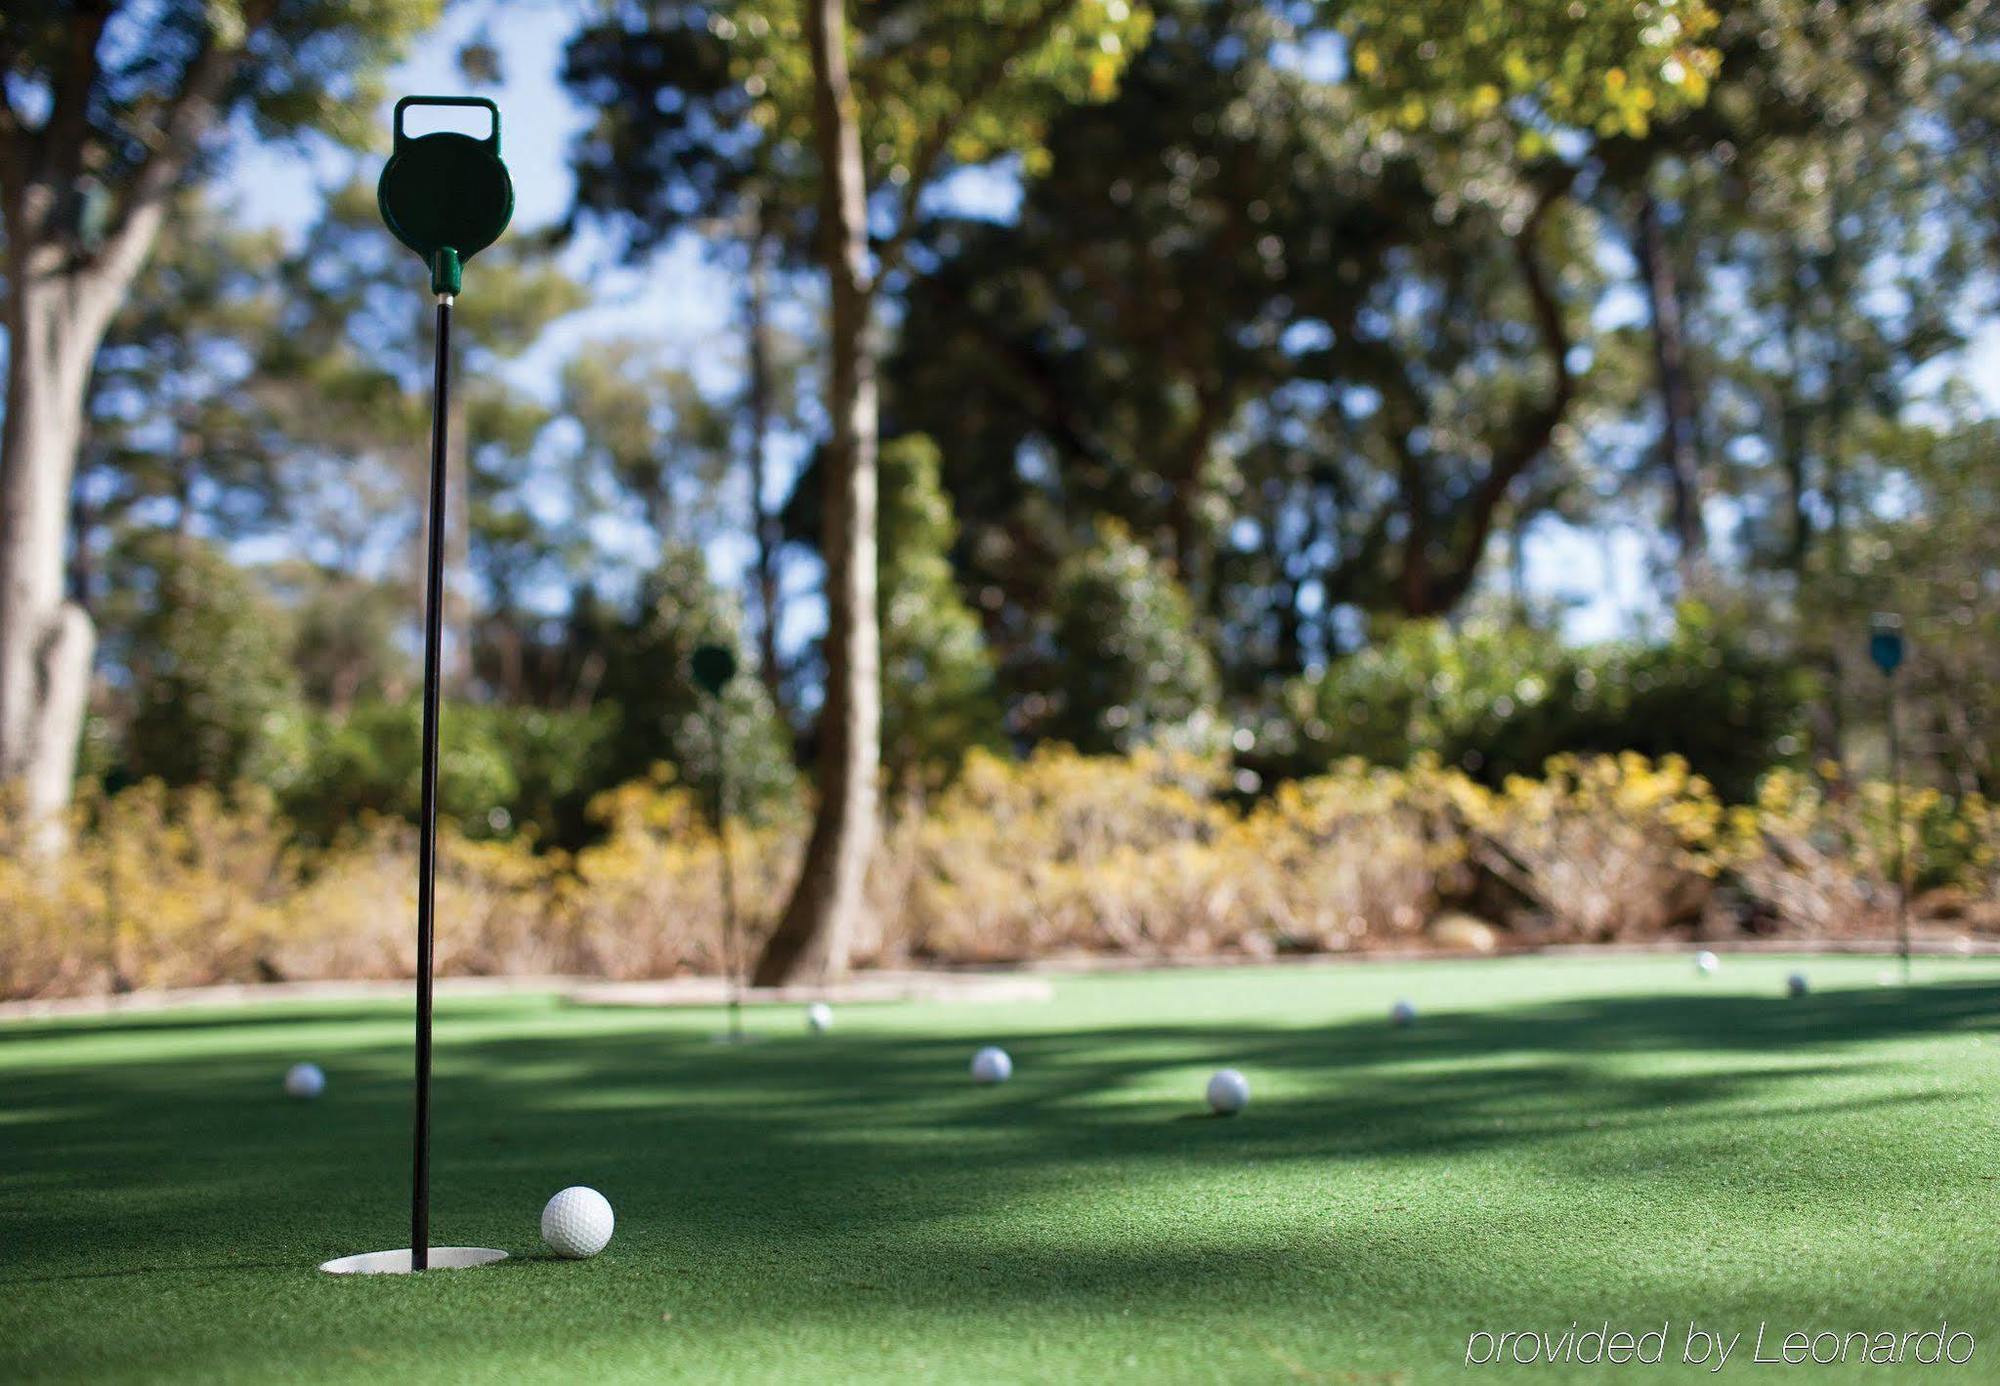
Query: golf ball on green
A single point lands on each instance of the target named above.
(1228, 1092)
(819, 1017)
(304, 1080)
(1706, 962)
(992, 1065)
(577, 1223)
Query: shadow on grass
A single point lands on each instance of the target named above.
(264, 1014)
(861, 1136)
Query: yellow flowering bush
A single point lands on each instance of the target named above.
(1064, 852)
(1142, 854)
(1354, 856)
(647, 901)
(1609, 847)
(1821, 854)
(158, 890)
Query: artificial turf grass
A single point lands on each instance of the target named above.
(1554, 1141)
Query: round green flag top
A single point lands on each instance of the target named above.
(713, 667)
(446, 196)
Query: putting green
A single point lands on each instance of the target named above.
(1555, 1142)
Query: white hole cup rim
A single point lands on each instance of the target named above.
(397, 1262)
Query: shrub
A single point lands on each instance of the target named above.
(1819, 857)
(664, 717)
(647, 901)
(212, 682)
(1129, 665)
(1145, 855)
(1497, 701)
(1603, 848)
(369, 763)
(1068, 852)
(938, 694)
(1357, 856)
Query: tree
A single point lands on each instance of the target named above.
(938, 694)
(1129, 664)
(132, 100)
(649, 168)
(1241, 320)
(171, 423)
(842, 116)
(663, 713)
(345, 380)
(207, 656)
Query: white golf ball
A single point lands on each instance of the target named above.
(991, 1065)
(577, 1222)
(304, 1080)
(819, 1017)
(1706, 962)
(1228, 1092)
(1797, 985)
(1403, 1013)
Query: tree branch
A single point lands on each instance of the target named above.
(1533, 431)
(924, 166)
(69, 108)
(186, 117)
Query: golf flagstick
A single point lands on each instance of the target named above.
(1886, 649)
(713, 666)
(447, 196)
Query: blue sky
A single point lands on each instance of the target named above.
(686, 303)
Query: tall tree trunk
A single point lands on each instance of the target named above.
(825, 908)
(764, 518)
(1679, 451)
(61, 294)
(54, 323)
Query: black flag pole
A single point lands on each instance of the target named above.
(420, 1163)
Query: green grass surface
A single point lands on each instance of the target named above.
(1554, 1142)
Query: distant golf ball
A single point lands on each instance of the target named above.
(577, 1223)
(1797, 985)
(1228, 1092)
(304, 1080)
(819, 1017)
(1403, 1013)
(1706, 962)
(991, 1065)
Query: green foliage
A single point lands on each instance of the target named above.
(344, 640)
(698, 105)
(298, 66)
(1614, 68)
(515, 773)
(1936, 561)
(1502, 700)
(370, 762)
(212, 683)
(985, 73)
(665, 717)
(938, 694)
(1128, 665)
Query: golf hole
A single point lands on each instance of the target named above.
(398, 1262)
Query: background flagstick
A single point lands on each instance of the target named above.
(713, 666)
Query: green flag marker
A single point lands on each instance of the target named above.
(713, 666)
(446, 196)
